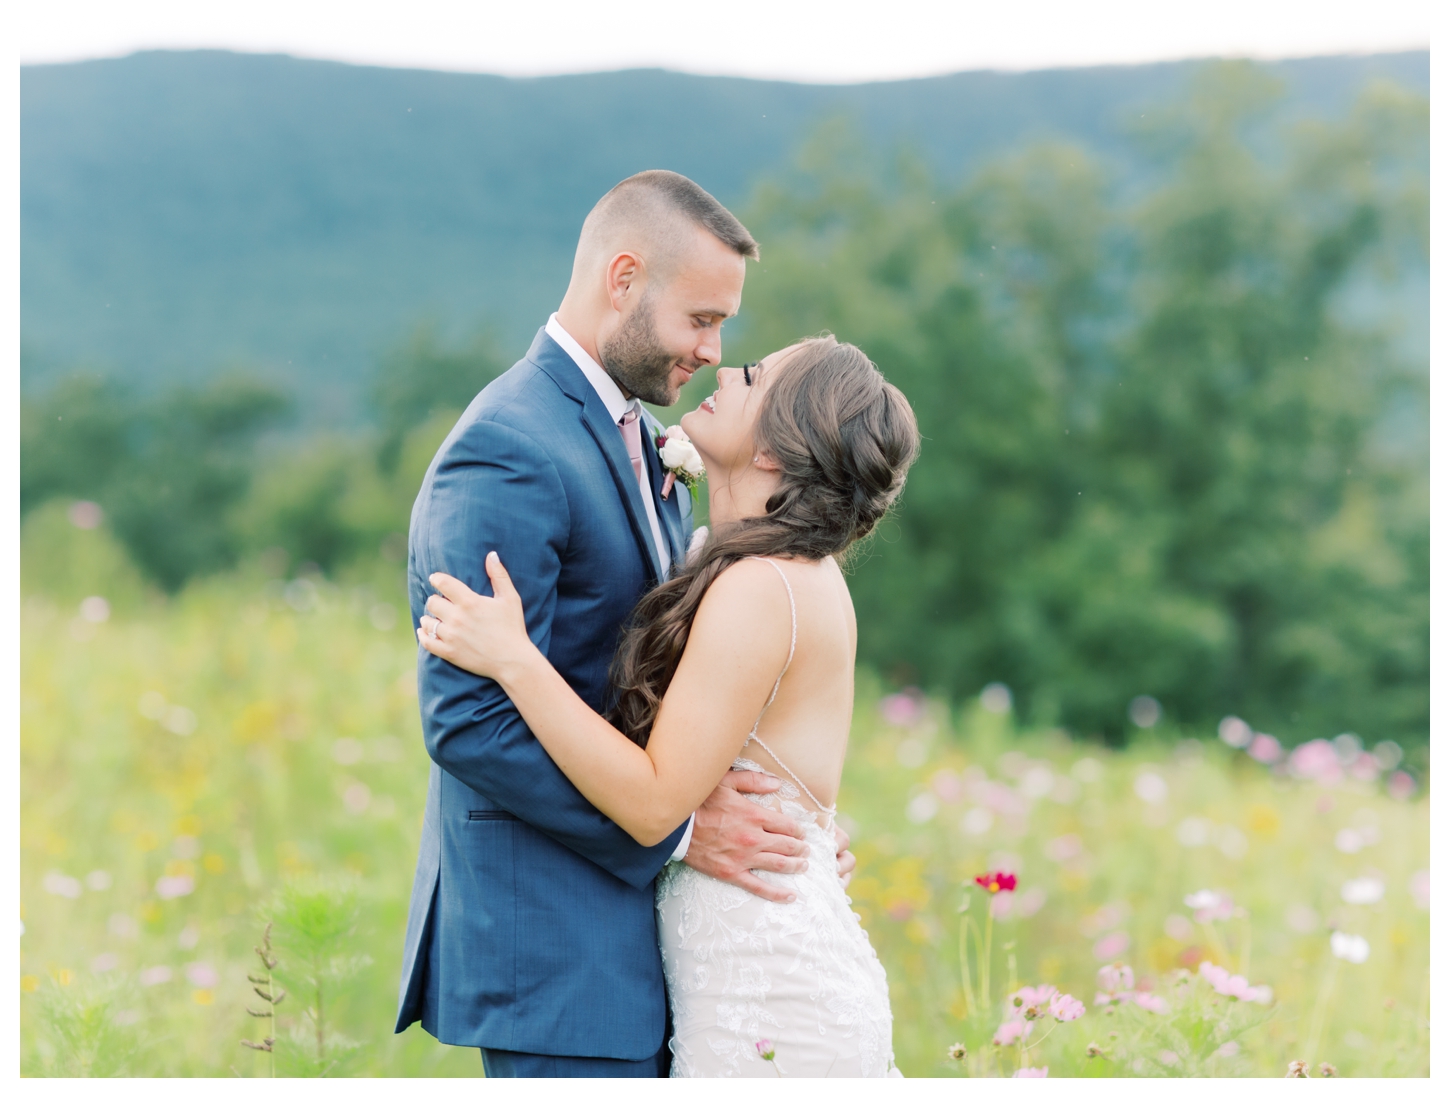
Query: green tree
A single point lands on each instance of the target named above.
(423, 376)
(1153, 456)
(168, 469)
(1238, 444)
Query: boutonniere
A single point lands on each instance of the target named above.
(680, 459)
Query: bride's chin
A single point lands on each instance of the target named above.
(689, 418)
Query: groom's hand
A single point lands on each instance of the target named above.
(733, 836)
(845, 860)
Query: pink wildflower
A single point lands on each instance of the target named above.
(201, 974)
(1210, 906)
(1400, 786)
(1011, 1031)
(1115, 978)
(1118, 984)
(1028, 903)
(158, 974)
(947, 786)
(1065, 1008)
(1233, 987)
(1264, 748)
(1365, 768)
(1063, 848)
(1112, 945)
(765, 1048)
(1235, 732)
(1316, 761)
(169, 888)
(1030, 1073)
(901, 709)
(1030, 1002)
(1420, 888)
(1150, 1002)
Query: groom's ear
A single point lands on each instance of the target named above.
(624, 281)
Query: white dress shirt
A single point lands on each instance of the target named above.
(618, 404)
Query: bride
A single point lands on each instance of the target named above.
(744, 660)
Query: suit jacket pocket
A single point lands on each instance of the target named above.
(489, 814)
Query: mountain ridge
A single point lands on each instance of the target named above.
(186, 212)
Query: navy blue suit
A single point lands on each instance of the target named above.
(532, 925)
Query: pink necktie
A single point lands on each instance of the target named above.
(629, 431)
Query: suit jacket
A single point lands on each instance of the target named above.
(532, 926)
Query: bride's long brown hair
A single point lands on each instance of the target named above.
(844, 438)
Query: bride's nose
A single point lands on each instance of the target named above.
(725, 375)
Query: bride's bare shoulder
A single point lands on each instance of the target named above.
(748, 586)
(750, 576)
(746, 601)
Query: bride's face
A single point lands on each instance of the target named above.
(723, 426)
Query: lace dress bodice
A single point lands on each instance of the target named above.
(741, 970)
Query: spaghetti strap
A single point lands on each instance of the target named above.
(791, 594)
(776, 689)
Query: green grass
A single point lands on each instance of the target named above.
(305, 764)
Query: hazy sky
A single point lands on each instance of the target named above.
(832, 41)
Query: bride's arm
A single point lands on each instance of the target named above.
(737, 645)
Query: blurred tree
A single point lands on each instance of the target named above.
(1238, 441)
(1151, 461)
(306, 502)
(168, 470)
(333, 500)
(423, 376)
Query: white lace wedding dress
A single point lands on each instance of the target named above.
(741, 970)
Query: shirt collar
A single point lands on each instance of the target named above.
(614, 401)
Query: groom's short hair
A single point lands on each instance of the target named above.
(657, 202)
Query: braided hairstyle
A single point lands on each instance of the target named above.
(844, 438)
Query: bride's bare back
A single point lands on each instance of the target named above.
(809, 723)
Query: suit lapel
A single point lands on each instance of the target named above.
(668, 510)
(555, 361)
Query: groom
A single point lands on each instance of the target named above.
(531, 933)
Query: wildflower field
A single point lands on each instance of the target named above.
(248, 753)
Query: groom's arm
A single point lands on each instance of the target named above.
(496, 489)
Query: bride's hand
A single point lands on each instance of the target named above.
(486, 636)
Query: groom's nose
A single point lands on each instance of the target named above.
(707, 351)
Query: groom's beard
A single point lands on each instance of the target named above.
(637, 361)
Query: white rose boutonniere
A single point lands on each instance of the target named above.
(680, 459)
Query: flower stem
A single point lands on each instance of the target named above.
(984, 961)
(1214, 940)
(1045, 1036)
(1321, 1007)
(966, 966)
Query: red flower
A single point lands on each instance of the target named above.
(998, 881)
